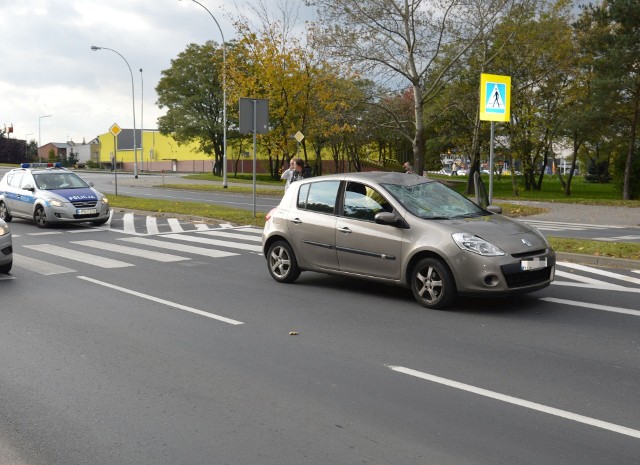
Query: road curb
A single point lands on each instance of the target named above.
(597, 260)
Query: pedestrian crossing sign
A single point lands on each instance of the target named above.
(495, 97)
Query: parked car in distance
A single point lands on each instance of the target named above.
(6, 248)
(406, 230)
(462, 172)
(47, 193)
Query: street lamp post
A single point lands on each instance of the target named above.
(141, 122)
(133, 104)
(40, 135)
(26, 146)
(224, 97)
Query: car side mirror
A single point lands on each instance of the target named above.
(28, 187)
(90, 183)
(494, 209)
(386, 218)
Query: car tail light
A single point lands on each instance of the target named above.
(270, 214)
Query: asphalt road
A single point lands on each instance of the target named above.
(179, 348)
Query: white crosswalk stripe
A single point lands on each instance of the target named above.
(39, 266)
(178, 247)
(232, 235)
(152, 225)
(133, 251)
(83, 257)
(215, 242)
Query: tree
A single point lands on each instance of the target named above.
(305, 93)
(616, 46)
(399, 42)
(191, 90)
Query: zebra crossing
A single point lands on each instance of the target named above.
(49, 259)
(136, 224)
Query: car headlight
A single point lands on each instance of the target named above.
(56, 203)
(477, 245)
(4, 229)
(105, 201)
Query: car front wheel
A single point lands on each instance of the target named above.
(40, 217)
(4, 213)
(4, 269)
(432, 283)
(283, 266)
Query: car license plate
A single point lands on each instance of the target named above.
(533, 264)
(86, 211)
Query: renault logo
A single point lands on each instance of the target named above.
(526, 242)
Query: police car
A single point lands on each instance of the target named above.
(6, 250)
(48, 193)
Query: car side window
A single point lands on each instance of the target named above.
(16, 180)
(321, 196)
(363, 202)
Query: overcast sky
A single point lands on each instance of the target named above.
(47, 66)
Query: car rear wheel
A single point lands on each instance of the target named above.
(40, 217)
(4, 269)
(432, 283)
(283, 266)
(4, 213)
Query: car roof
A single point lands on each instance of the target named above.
(380, 177)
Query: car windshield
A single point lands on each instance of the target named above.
(53, 181)
(432, 200)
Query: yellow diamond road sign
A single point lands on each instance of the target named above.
(115, 129)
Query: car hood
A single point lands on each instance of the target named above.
(510, 235)
(75, 195)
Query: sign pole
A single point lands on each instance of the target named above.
(255, 148)
(495, 105)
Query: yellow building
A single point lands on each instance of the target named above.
(156, 153)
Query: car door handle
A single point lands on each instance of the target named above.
(345, 230)
(296, 221)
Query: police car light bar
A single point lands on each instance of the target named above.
(41, 165)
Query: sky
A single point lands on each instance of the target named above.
(47, 66)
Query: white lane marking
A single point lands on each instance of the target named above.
(520, 402)
(636, 271)
(162, 301)
(39, 266)
(232, 235)
(606, 308)
(200, 240)
(6, 277)
(179, 247)
(617, 238)
(174, 224)
(128, 223)
(201, 226)
(90, 259)
(108, 223)
(587, 280)
(601, 286)
(600, 272)
(86, 230)
(123, 249)
(152, 225)
(45, 233)
(571, 225)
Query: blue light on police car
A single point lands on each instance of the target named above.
(41, 165)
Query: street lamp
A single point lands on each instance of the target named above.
(224, 98)
(133, 102)
(26, 145)
(141, 124)
(39, 135)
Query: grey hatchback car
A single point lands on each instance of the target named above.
(406, 230)
(6, 248)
